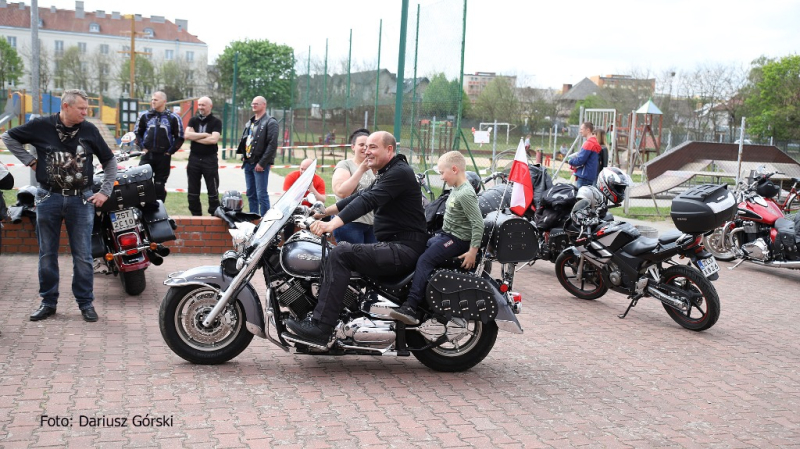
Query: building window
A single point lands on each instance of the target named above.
(190, 56)
(59, 48)
(190, 75)
(84, 66)
(104, 69)
(12, 41)
(103, 86)
(148, 32)
(148, 52)
(59, 83)
(126, 48)
(82, 47)
(169, 54)
(104, 49)
(94, 28)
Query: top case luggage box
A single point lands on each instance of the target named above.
(703, 208)
(134, 187)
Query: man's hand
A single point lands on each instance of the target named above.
(322, 227)
(33, 165)
(259, 168)
(469, 258)
(98, 199)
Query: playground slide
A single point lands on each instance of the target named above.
(5, 117)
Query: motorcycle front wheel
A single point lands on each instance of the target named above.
(181, 321)
(133, 282)
(590, 286)
(469, 343)
(702, 298)
(717, 247)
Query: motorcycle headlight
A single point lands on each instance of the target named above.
(241, 234)
(229, 263)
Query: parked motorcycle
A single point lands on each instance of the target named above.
(210, 313)
(760, 233)
(131, 226)
(615, 256)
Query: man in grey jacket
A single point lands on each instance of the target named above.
(65, 145)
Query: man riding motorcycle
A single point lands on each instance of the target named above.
(399, 227)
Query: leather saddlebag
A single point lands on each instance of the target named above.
(134, 188)
(158, 223)
(454, 294)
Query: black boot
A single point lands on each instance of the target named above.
(310, 330)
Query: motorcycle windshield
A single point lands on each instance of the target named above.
(281, 211)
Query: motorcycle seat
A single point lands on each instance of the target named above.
(393, 284)
(669, 236)
(640, 246)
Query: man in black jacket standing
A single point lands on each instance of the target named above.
(204, 131)
(257, 147)
(159, 133)
(399, 227)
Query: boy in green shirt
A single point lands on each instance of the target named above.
(460, 236)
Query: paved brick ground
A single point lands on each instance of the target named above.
(577, 377)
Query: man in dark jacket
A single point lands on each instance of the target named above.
(204, 131)
(159, 133)
(257, 147)
(588, 158)
(399, 227)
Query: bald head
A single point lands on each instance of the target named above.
(259, 105)
(204, 106)
(305, 164)
(159, 101)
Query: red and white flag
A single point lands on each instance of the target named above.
(522, 194)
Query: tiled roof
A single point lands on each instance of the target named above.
(65, 20)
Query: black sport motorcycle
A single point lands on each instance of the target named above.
(613, 255)
(210, 313)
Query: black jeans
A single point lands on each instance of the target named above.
(203, 167)
(377, 259)
(160, 163)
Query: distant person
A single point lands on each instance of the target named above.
(203, 131)
(563, 151)
(585, 162)
(601, 139)
(317, 186)
(159, 133)
(65, 148)
(528, 144)
(351, 176)
(330, 138)
(257, 146)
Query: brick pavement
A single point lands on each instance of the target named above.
(577, 377)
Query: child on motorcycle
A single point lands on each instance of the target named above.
(460, 236)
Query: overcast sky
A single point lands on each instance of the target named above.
(546, 44)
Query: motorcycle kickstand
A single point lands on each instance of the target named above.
(402, 348)
(737, 264)
(634, 300)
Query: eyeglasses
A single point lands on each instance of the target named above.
(255, 104)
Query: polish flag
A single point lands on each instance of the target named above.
(522, 194)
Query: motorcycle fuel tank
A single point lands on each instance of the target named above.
(301, 257)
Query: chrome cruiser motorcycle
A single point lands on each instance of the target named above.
(211, 313)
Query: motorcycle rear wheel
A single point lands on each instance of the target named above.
(592, 286)
(180, 319)
(714, 244)
(133, 282)
(461, 354)
(703, 312)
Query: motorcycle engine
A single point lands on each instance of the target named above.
(300, 295)
(757, 250)
(615, 276)
(367, 332)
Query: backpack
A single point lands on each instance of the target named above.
(158, 135)
(557, 203)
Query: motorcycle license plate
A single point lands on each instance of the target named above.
(708, 266)
(122, 220)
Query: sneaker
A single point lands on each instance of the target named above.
(405, 314)
(310, 330)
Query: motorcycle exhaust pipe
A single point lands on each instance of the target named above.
(794, 265)
(162, 250)
(155, 259)
(668, 300)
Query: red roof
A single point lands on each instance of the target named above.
(64, 20)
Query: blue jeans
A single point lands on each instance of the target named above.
(440, 248)
(256, 183)
(78, 214)
(355, 233)
(584, 182)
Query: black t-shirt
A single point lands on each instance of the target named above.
(207, 124)
(63, 165)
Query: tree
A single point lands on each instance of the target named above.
(176, 79)
(72, 69)
(264, 69)
(709, 90)
(144, 77)
(598, 101)
(441, 97)
(774, 98)
(45, 70)
(10, 64)
(498, 101)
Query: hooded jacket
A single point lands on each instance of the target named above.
(587, 160)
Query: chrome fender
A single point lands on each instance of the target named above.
(211, 276)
